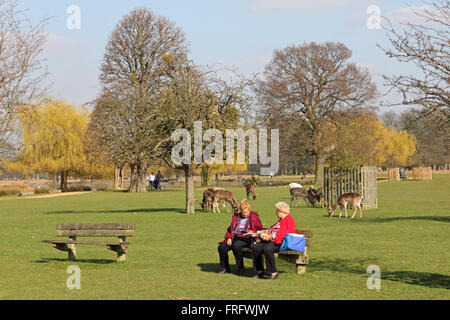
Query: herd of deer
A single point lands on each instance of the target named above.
(212, 197)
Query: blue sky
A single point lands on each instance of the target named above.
(239, 33)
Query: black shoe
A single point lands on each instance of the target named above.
(259, 275)
(240, 272)
(271, 277)
(224, 271)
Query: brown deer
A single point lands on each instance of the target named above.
(321, 195)
(226, 197)
(208, 197)
(298, 193)
(250, 189)
(354, 198)
(316, 195)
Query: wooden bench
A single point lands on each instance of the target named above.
(122, 231)
(300, 258)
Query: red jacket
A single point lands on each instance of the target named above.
(255, 225)
(287, 225)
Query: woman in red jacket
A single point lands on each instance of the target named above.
(246, 221)
(271, 243)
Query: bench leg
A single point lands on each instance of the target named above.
(72, 249)
(301, 268)
(121, 250)
(121, 256)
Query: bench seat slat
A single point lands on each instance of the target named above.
(96, 226)
(84, 242)
(94, 233)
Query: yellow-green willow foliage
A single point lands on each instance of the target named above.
(52, 137)
(362, 139)
(54, 142)
(396, 148)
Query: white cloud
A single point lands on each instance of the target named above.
(409, 14)
(306, 5)
(400, 15)
(58, 47)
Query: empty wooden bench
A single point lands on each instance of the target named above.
(300, 258)
(74, 231)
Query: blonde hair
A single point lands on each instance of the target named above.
(283, 207)
(244, 204)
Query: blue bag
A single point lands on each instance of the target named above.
(293, 241)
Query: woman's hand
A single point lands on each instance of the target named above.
(229, 242)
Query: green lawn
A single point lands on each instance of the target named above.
(174, 255)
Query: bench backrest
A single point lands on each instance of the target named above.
(95, 230)
(308, 235)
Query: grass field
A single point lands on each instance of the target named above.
(174, 255)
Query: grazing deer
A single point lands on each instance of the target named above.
(250, 189)
(298, 193)
(208, 196)
(354, 198)
(225, 196)
(315, 195)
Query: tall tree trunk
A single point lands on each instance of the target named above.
(190, 196)
(118, 176)
(319, 162)
(64, 177)
(205, 176)
(137, 179)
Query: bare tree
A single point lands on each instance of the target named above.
(21, 69)
(133, 73)
(306, 84)
(426, 45)
(194, 96)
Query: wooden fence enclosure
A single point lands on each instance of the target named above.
(362, 180)
(422, 173)
(393, 174)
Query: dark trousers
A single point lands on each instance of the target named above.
(236, 245)
(268, 248)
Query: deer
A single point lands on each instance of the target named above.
(250, 189)
(298, 193)
(316, 195)
(225, 196)
(208, 195)
(354, 198)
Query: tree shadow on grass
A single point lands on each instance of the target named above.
(359, 266)
(426, 218)
(95, 261)
(144, 210)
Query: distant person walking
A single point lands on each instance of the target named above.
(151, 181)
(158, 180)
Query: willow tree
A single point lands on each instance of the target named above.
(133, 73)
(306, 84)
(53, 139)
(360, 138)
